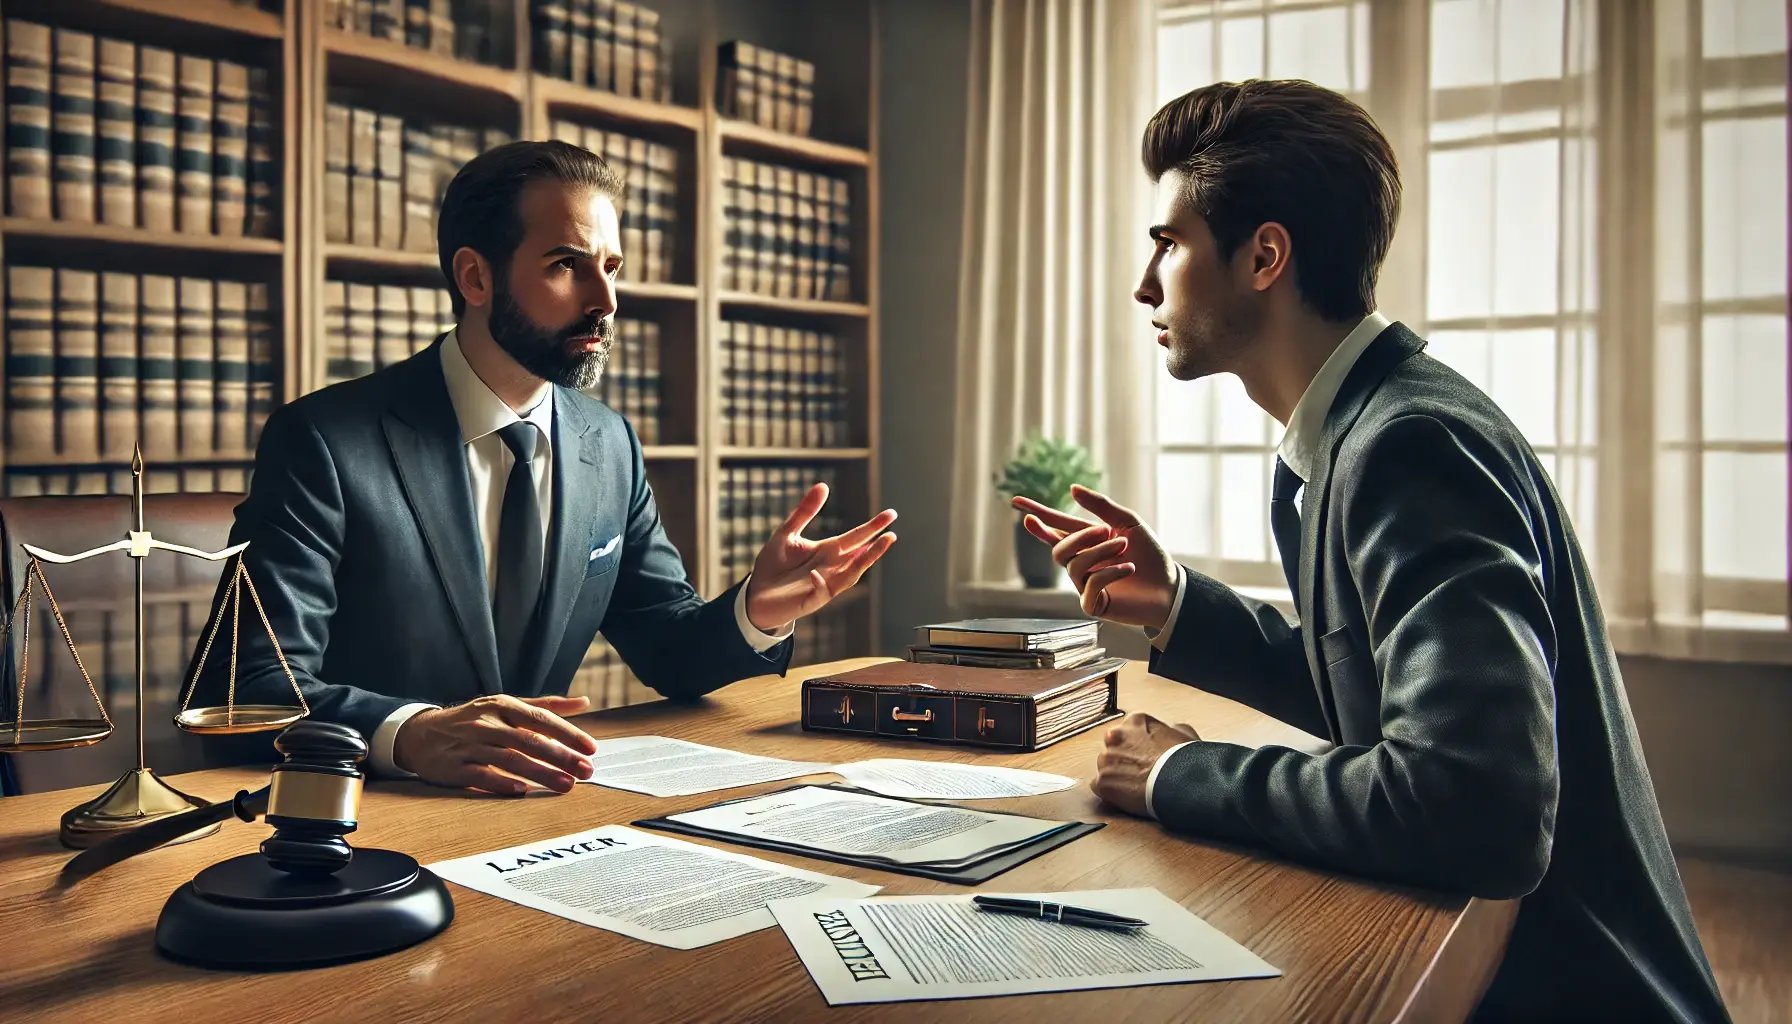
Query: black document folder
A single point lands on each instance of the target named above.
(973, 874)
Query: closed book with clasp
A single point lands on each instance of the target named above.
(1008, 709)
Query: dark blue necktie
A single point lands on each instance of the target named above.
(1284, 522)
(519, 555)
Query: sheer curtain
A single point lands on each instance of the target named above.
(1049, 338)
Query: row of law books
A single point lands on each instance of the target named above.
(475, 30)
(782, 387)
(370, 327)
(106, 131)
(160, 478)
(107, 642)
(98, 362)
(611, 45)
(631, 382)
(384, 175)
(605, 678)
(756, 498)
(786, 233)
(772, 90)
(1008, 643)
(649, 214)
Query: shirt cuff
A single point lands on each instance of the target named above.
(1151, 780)
(1160, 638)
(379, 750)
(757, 638)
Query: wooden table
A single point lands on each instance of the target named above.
(1351, 950)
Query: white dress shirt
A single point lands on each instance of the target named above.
(482, 414)
(1300, 450)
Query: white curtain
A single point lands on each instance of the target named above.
(1049, 338)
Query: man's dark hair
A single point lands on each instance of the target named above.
(1297, 154)
(479, 210)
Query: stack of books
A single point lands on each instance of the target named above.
(384, 175)
(783, 387)
(369, 327)
(1008, 643)
(786, 233)
(631, 383)
(649, 214)
(757, 497)
(772, 90)
(604, 44)
(106, 131)
(475, 30)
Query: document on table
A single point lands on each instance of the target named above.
(900, 948)
(660, 766)
(946, 780)
(648, 887)
(873, 827)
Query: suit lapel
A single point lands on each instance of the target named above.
(578, 495)
(425, 439)
(1391, 347)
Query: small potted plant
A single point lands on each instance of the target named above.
(1043, 469)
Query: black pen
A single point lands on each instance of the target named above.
(1058, 912)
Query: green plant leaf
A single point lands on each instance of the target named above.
(1043, 468)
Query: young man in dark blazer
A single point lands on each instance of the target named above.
(1448, 641)
(438, 543)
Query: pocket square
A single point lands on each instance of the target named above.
(597, 553)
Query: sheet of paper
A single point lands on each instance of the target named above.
(944, 780)
(648, 887)
(899, 948)
(660, 766)
(872, 826)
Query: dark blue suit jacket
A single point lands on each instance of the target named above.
(1451, 646)
(365, 550)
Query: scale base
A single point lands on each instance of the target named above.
(243, 913)
(137, 798)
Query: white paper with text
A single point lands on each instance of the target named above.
(661, 766)
(648, 887)
(947, 780)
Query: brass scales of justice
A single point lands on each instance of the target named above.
(139, 796)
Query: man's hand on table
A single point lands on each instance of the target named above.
(498, 744)
(1133, 747)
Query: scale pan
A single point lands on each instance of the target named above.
(52, 734)
(227, 720)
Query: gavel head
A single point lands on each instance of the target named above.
(314, 798)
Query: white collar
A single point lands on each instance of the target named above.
(1306, 427)
(479, 409)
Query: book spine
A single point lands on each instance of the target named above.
(388, 20)
(337, 366)
(785, 279)
(551, 43)
(28, 60)
(30, 364)
(71, 127)
(115, 115)
(263, 172)
(118, 365)
(634, 221)
(230, 157)
(156, 139)
(784, 102)
(392, 328)
(195, 350)
(77, 364)
(416, 23)
(840, 272)
(578, 40)
(264, 368)
(647, 53)
(807, 279)
(420, 328)
(390, 201)
(158, 368)
(803, 103)
(730, 274)
(622, 62)
(363, 182)
(666, 175)
(766, 246)
(441, 27)
(363, 300)
(650, 384)
(231, 403)
(603, 46)
(193, 158)
(337, 118)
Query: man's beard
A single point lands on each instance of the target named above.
(547, 352)
(1211, 342)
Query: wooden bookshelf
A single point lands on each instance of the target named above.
(311, 64)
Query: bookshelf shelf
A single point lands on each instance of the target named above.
(164, 460)
(21, 229)
(560, 95)
(344, 254)
(669, 452)
(382, 57)
(208, 15)
(656, 292)
(797, 454)
(800, 307)
(749, 139)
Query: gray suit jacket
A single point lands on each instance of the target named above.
(364, 547)
(1451, 646)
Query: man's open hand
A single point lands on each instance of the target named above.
(498, 744)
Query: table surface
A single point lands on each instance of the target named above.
(1350, 949)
